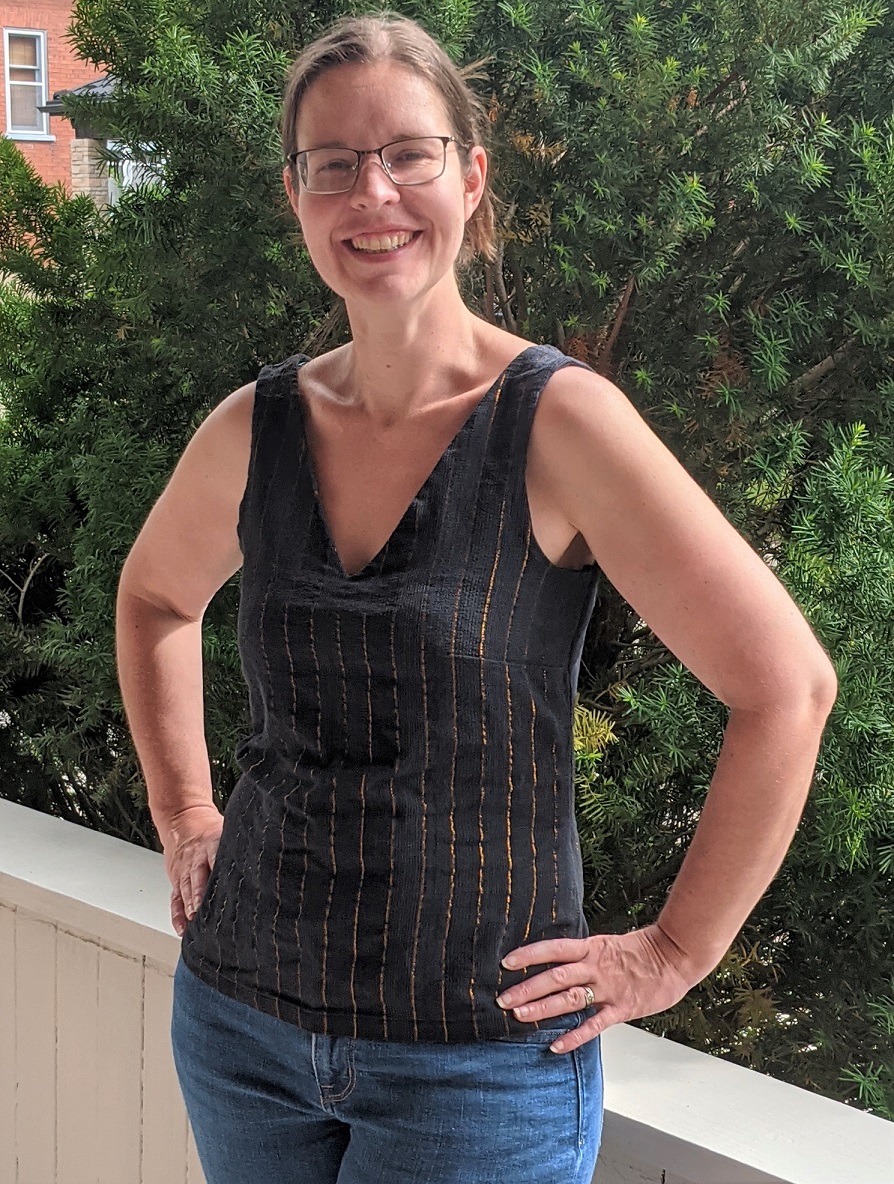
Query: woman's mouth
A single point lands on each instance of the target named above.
(380, 246)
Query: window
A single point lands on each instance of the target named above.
(125, 171)
(25, 51)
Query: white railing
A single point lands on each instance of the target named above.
(88, 1092)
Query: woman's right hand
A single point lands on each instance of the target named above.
(190, 847)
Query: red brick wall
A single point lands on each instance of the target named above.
(51, 159)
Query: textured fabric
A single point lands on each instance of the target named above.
(405, 813)
(269, 1102)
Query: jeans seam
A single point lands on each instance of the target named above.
(313, 1065)
(581, 1103)
(351, 1082)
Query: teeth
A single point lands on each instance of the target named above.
(389, 242)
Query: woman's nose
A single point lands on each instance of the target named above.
(373, 180)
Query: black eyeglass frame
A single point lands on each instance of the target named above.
(292, 159)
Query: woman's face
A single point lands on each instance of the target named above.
(367, 106)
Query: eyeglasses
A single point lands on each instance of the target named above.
(407, 162)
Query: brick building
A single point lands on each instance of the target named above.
(38, 63)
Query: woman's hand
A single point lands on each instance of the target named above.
(631, 975)
(190, 847)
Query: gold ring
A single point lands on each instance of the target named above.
(590, 997)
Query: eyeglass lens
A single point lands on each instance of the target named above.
(409, 162)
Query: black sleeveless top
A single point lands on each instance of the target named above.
(405, 813)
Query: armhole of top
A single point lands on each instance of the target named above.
(274, 381)
(559, 361)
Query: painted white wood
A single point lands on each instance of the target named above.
(673, 1115)
(164, 1117)
(713, 1122)
(194, 1173)
(89, 884)
(618, 1166)
(120, 1055)
(7, 1044)
(77, 1008)
(35, 1020)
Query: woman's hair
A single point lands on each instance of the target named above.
(389, 37)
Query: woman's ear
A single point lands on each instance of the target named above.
(291, 189)
(474, 179)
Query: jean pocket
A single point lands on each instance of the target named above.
(547, 1031)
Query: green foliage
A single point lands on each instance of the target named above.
(118, 333)
(805, 992)
(699, 200)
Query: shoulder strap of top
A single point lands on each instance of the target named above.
(277, 379)
(528, 377)
(271, 426)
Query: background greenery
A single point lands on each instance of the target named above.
(699, 202)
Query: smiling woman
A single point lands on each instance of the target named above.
(384, 943)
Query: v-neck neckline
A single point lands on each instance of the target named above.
(404, 518)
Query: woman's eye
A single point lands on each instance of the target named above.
(335, 166)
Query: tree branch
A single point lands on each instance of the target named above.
(508, 318)
(24, 588)
(604, 350)
(818, 372)
(515, 268)
(328, 328)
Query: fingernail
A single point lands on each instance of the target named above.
(557, 1047)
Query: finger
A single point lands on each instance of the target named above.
(560, 949)
(574, 999)
(561, 978)
(186, 892)
(588, 1030)
(198, 879)
(178, 916)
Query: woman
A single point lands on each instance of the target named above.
(383, 941)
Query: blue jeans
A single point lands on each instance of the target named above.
(270, 1103)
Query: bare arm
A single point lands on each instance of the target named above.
(186, 550)
(719, 608)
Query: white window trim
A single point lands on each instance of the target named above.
(129, 172)
(11, 132)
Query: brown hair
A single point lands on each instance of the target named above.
(389, 37)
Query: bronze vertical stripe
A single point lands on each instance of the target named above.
(301, 938)
(221, 909)
(452, 816)
(555, 847)
(369, 710)
(329, 898)
(262, 851)
(316, 669)
(278, 894)
(343, 730)
(357, 907)
(284, 813)
(262, 646)
(509, 728)
(483, 782)
(422, 775)
(534, 862)
(299, 913)
(391, 836)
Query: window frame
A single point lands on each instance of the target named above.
(11, 132)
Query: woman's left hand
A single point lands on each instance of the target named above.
(631, 975)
